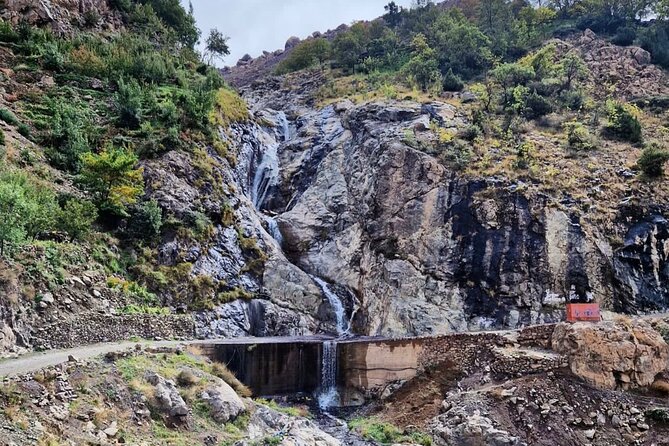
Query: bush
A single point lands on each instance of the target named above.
(655, 39)
(536, 106)
(7, 33)
(623, 123)
(8, 117)
(67, 136)
(146, 220)
(24, 130)
(2, 137)
(652, 160)
(112, 178)
(625, 36)
(77, 218)
(52, 57)
(579, 138)
(451, 81)
(85, 61)
(128, 103)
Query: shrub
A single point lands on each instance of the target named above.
(146, 220)
(579, 138)
(229, 108)
(8, 117)
(624, 36)
(128, 103)
(85, 61)
(52, 57)
(7, 32)
(67, 137)
(652, 160)
(623, 123)
(536, 106)
(24, 130)
(2, 137)
(77, 218)
(451, 81)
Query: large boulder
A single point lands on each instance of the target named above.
(224, 403)
(168, 399)
(611, 354)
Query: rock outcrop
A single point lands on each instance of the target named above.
(224, 403)
(627, 353)
(169, 400)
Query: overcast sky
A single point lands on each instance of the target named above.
(257, 25)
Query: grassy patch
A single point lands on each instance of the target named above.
(386, 433)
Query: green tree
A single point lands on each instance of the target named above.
(13, 211)
(422, 68)
(77, 217)
(41, 211)
(308, 53)
(68, 134)
(146, 220)
(216, 46)
(112, 178)
(652, 160)
(623, 122)
(346, 50)
(509, 76)
(571, 69)
(393, 14)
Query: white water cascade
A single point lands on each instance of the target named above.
(267, 172)
(328, 396)
(274, 230)
(343, 325)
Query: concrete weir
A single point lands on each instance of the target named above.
(284, 366)
(366, 365)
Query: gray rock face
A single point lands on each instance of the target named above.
(224, 403)
(421, 248)
(293, 431)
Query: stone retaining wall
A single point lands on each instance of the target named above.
(95, 328)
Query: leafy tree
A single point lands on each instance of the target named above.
(308, 53)
(422, 68)
(655, 40)
(112, 178)
(41, 211)
(13, 211)
(571, 69)
(347, 48)
(509, 76)
(460, 45)
(68, 135)
(172, 14)
(652, 160)
(216, 46)
(579, 138)
(77, 217)
(393, 14)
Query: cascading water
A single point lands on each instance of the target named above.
(336, 304)
(266, 176)
(328, 396)
(274, 230)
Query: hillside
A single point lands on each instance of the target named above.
(460, 168)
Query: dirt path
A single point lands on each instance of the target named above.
(36, 361)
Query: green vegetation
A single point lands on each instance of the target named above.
(112, 178)
(305, 55)
(652, 160)
(623, 122)
(386, 433)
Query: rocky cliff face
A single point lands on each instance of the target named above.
(411, 245)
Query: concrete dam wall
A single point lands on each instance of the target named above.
(288, 366)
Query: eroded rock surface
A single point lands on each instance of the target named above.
(613, 354)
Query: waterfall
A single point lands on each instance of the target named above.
(274, 231)
(328, 396)
(266, 176)
(336, 304)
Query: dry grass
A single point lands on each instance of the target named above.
(221, 371)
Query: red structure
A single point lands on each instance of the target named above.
(583, 312)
